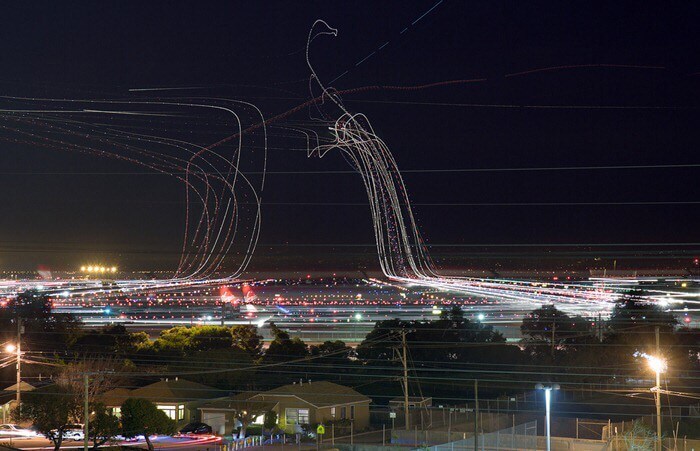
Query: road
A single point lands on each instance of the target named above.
(161, 443)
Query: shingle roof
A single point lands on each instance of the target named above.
(180, 390)
(318, 394)
(115, 397)
(234, 402)
(172, 390)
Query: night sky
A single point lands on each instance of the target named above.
(620, 87)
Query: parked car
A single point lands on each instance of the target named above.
(196, 429)
(15, 430)
(71, 432)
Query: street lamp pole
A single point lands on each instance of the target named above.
(657, 397)
(548, 402)
(19, 363)
(548, 425)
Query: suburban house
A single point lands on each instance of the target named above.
(8, 396)
(178, 398)
(305, 403)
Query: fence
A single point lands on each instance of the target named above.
(519, 437)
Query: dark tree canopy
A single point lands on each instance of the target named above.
(549, 334)
(283, 348)
(50, 409)
(142, 417)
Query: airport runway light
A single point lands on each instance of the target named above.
(97, 269)
(547, 402)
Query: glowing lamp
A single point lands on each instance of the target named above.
(10, 348)
(657, 364)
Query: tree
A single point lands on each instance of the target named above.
(636, 318)
(245, 411)
(549, 333)
(640, 437)
(270, 421)
(247, 339)
(380, 343)
(103, 425)
(632, 328)
(201, 338)
(336, 349)
(283, 348)
(142, 417)
(50, 409)
(101, 378)
(43, 330)
(112, 340)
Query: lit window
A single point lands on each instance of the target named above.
(117, 412)
(181, 412)
(332, 412)
(297, 416)
(170, 411)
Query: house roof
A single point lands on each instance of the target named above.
(318, 394)
(23, 386)
(169, 390)
(238, 402)
(175, 390)
(115, 397)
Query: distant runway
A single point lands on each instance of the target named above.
(320, 310)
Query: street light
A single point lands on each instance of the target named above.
(548, 401)
(15, 349)
(658, 365)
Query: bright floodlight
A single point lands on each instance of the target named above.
(10, 348)
(358, 316)
(657, 364)
(480, 316)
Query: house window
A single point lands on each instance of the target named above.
(352, 412)
(181, 412)
(297, 416)
(117, 412)
(343, 413)
(169, 410)
(332, 412)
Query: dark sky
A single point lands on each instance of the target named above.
(584, 114)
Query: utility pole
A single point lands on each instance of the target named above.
(554, 329)
(86, 412)
(405, 381)
(19, 362)
(658, 393)
(476, 415)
